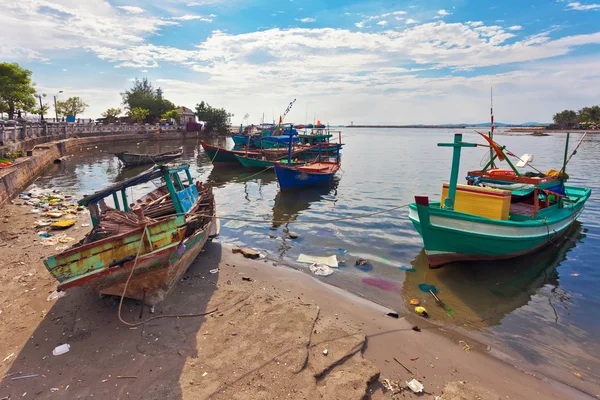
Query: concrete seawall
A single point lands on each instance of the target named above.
(16, 178)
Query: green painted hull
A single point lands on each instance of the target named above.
(254, 163)
(450, 236)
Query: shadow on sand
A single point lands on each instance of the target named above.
(108, 359)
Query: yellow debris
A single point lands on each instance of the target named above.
(65, 223)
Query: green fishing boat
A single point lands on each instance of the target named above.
(252, 163)
(484, 223)
(140, 250)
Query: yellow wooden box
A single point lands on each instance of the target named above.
(481, 201)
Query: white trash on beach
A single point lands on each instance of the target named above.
(56, 295)
(415, 386)
(62, 349)
(330, 261)
(321, 269)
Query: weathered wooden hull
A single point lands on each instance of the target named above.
(132, 160)
(156, 273)
(450, 236)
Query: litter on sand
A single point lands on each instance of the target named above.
(330, 261)
(63, 224)
(466, 347)
(415, 386)
(62, 349)
(321, 269)
(421, 311)
(56, 295)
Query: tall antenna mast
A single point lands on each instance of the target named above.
(492, 125)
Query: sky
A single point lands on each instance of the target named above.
(366, 62)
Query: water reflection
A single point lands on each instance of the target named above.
(289, 205)
(220, 177)
(480, 294)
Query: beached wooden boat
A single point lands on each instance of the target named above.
(134, 159)
(157, 237)
(223, 157)
(482, 223)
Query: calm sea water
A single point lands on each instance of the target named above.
(546, 307)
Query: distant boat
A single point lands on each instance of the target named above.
(135, 159)
(516, 216)
(153, 240)
(222, 157)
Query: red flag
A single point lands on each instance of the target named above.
(280, 120)
(494, 146)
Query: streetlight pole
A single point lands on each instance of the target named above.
(55, 109)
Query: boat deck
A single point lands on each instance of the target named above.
(522, 209)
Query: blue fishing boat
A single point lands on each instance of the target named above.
(310, 174)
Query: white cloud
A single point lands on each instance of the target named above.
(367, 19)
(474, 23)
(582, 7)
(203, 3)
(411, 21)
(443, 13)
(43, 26)
(515, 28)
(190, 17)
(306, 20)
(131, 9)
(382, 23)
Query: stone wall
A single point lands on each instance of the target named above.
(16, 178)
(24, 136)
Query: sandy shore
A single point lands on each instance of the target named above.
(266, 341)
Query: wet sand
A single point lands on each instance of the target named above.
(265, 341)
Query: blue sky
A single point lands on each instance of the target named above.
(396, 62)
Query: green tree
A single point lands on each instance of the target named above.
(143, 95)
(138, 114)
(41, 111)
(71, 106)
(16, 88)
(173, 114)
(567, 117)
(216, 119)
(590, 115)
(3, 107)
(112, 114)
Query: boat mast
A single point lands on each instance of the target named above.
(457, 145)
(492, 126)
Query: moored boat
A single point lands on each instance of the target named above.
(150, 242)
(135, 159)
(484, 223)
(223, 157)
(255, 163)
(311, 174)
